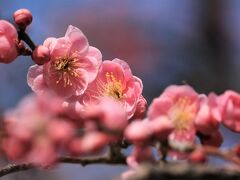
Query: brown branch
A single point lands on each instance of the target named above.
(226, 155)
(22, 35)
(12, 168)
(185, 171)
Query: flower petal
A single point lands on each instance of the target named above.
(60, 48)
(78, 40)
(33, 72)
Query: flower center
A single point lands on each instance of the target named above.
(66, 69)
(182, 113)
(111, 88)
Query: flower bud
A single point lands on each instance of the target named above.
(22, 17)
(41, 55)
(138, 132)
(236, 150)
(8, 39)
(162, 128)
(215, 139)
(197, 157)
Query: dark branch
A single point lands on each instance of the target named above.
(22, 35)
(12, 168)
(184, 171)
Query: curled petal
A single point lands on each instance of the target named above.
(78, 40)
(60, 48)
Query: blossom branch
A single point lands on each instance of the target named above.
(184, 171)
(227, 155)
(22, 35)
(12, 168)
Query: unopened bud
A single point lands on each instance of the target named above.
(236, 150)
(138, 132)
(197, 157)
(41, 55)
(22, 17)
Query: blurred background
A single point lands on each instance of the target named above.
(164, 41)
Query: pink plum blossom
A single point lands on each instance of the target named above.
(8, 40)
(161, 128)
(138, 132)
(140, 109)
(90, 143)
(73, 65)
(115, 80)
(179, 105)
(35, 132)
(230, 109)
(107, 114)
(209, 116)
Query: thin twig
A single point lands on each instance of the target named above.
(227, 155)
(12, 168)
(22, 35)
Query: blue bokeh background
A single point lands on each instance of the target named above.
(164, 41)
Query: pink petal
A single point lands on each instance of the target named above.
(130, 99)
(94, 52)
(160, 106)
(91, 64)
(125, 66)
(138, 86)
(78, 86)
(39, 84)
(78, 40)
(50, 43)
(60, 48)
(116, 69)
(33, 72)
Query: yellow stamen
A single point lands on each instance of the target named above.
(182, 113)
(111, 88)
(65, 67)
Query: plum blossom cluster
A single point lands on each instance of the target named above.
(83, 104)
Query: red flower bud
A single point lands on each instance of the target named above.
(22, 17)
(197, 157)
(41, 55)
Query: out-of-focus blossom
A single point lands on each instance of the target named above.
(107, 114)
(35, 132)
(197, 157)
(73, 65)
(209, 116)
(41, 55)
(230, 109)
(213, 139)
(22, 17)
(140, 109)
(138, 132)
(178, 104)
(140, 154)
(161, 128)
(92, 142)
(115, 80)
(8, 40)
